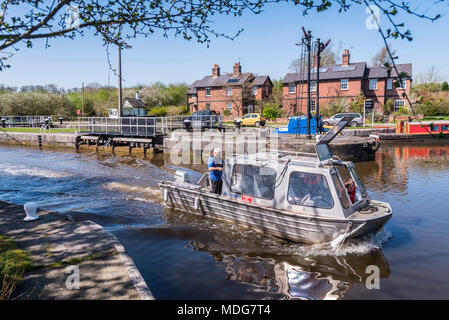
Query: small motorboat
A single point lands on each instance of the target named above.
(295, 196)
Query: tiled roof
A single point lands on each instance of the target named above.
(337, 71)
(259, 80)
(222, 80)
(381, 72)
(135, 103)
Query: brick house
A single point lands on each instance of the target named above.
(346, 80)
(237, 92)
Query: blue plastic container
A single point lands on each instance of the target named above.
(298, 125)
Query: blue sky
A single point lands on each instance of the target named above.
(266, 46)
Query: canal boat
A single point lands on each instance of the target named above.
(295, 196)
(423, 128)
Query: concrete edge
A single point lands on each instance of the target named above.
(135, 275)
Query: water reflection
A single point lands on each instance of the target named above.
(295, 277)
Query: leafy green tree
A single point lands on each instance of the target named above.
(445, 86)
(270, 111)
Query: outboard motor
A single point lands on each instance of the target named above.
(238, 124)
(187, 124)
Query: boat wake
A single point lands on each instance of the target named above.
(149, 191)
(17, 170)
(360, 246)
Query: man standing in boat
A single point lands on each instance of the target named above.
(215, 165)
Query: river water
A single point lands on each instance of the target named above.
(182, 256)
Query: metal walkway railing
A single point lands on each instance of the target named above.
(24, 121)
(142, 126)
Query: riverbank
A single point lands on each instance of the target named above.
(61, 249)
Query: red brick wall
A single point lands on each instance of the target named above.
(330, 90)
(218, 99)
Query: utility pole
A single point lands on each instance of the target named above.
(119, 105)
(82, 98)
(307, 40)
(319, 48)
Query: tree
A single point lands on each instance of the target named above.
(382, 58)
(23, 21)
(329, 56)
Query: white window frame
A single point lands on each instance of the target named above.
(254, 91)
(229, 91)
(208, 90)
(344, 81)
(208, 107)
(313, 86)
(229, 108)
(371, 82)
(290, 86)
(396, 107)
(389, 84)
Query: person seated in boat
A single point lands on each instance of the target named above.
(310, 190)
(353, 192)
(215, 165)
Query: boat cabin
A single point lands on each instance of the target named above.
(293, 182)
(312, 184)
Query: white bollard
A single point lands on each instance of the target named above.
(30, 210)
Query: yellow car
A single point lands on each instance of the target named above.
(253, 119)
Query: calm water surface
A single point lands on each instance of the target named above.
(182, 256)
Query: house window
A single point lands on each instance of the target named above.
(373, 84)
(399, 104)
(207, 92)
(389, 84)
(267, 91)
(229, 107)
(344, 84)
(444, 127)
(229, 91)
(312, 85)
(208, 106)
(291, 88)
(255, 91)
(312, 105)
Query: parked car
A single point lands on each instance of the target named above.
(356, 122)
(204, 119)
(253, 119)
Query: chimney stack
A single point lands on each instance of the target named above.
(345, 58)
(237, 69)
(215, 71)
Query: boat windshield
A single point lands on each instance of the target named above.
(309, 189)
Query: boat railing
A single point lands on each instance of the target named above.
(283, 153)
